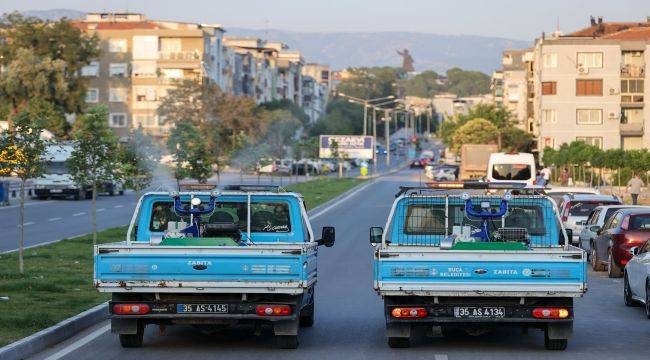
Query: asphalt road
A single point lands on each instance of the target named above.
(349, 315)
(53, 220)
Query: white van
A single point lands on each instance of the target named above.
(511, 167)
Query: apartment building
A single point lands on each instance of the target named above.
(590, 86)
(141, 60)
(316, 89)
(259, 65)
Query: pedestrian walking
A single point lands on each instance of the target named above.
(564, 177)
(634, 188)
(539, 179)
(546, 174)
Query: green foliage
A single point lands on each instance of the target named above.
(476, 131)
(424, 85)
(284, 104)
(52, 118)
(342, 118)
(138, 158)
(191, 152)
(26, 149)
(371, 83)
(47, 42)
(515, 139)
(467, 83)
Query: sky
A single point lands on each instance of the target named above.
(513, 19)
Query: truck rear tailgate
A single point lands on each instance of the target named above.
(266, 268)
(427, 271)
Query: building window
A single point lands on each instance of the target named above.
(146, 120)
(117, 120)
(172, 73)
(117, 95)
(117, 69)
(549, 88)
(549, 61)
(632, 142)
(144, 69)
(92, 95)
(91, 69)
(145, 47)
(145, 94)
(549, 116)
(630, 86)
(170, 45)
(117, 45)
(590, 59)
(589, 116)
(589, 87)
(591, 140)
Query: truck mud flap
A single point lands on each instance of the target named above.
(560, 330)
(124, 326)
(400, 330)
(287, 327)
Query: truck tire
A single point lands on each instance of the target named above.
(79, 195)
(307, 316)
(647, 299)
(121, 192)
(133, 340)
(111, 190)
(286, 341)
(399, 342)
(627, 293)
(613, 271)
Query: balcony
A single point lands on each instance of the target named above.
(632, 71)
(631, 129)
(179, 59)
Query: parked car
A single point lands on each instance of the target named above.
(511, 167)
(626, 229)
(283, 167)
(379, 149)
(557, 192)
(305, 166)
(429, 154)
(596, 219)
(576, 208)
(636, 288)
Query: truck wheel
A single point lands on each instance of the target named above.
(554, 344)
(286, 341)
(121, 192)
(79, 195)
(111, 191)
(647, 299)
(613, 271)
(307, 316)
(399, 342)
(627, 293)
(132, 340)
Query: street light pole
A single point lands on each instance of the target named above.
(365, 119)
(387, 135)
(374, 139)
(365, 103)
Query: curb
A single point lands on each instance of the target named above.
(67, 328)
(53, 335)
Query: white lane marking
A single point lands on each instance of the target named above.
(100, 210)
(26, 204)
(440, 357)
(79, 213)
(79, 343)
(27, 223)
(337, 203)
(54, 219)
(118, 206)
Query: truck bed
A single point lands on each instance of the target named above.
(283, 268)
(430, 271)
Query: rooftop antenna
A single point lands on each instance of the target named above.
(557, 24)
(266, 30)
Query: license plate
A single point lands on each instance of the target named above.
(479, 312)
(202, 308)
(56, 191)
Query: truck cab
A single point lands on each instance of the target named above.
(242, 256)
(511, 167)
(464, 257)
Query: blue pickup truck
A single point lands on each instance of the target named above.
(246, 255)
(457, 259)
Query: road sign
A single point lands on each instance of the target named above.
(349, 146)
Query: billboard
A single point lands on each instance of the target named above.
(349, 146)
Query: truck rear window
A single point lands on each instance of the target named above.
(429, 219)
(266, 217)
(511, 172)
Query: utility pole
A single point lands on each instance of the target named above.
(387, 116)
(374, 139)
(365, 119)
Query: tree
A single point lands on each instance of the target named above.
(467, 83)
(191, 152)
(138, 158)
(58, 42)
(477, 131)
(94, 157)
(53, 120)
(23, 153)
(515, 139)
(29, 76)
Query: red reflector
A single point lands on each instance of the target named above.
(409, 313)
(624, 262)
(273, 310)
(551, 313)
(131, 309)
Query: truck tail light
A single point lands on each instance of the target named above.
(273, 310)
(550, 313)
(565, 213)
(409, 313)
(131, 309)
